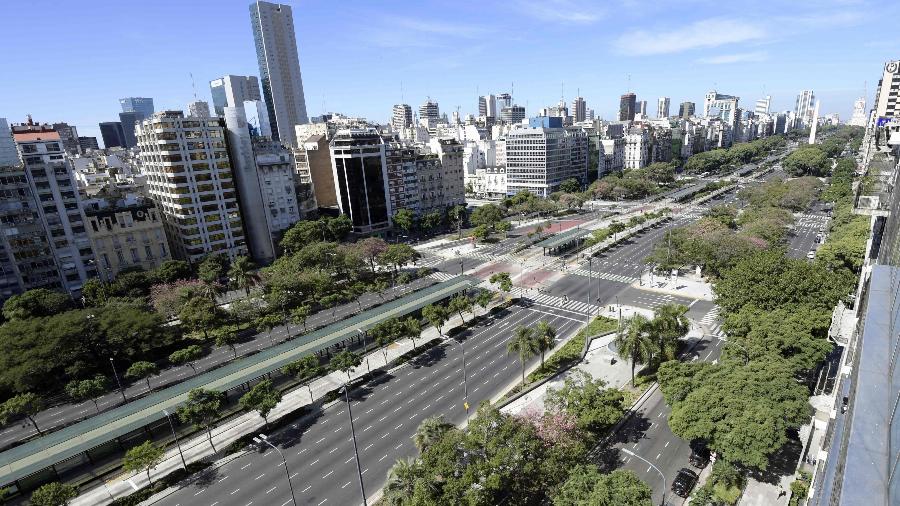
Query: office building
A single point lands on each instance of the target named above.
(887, 102)
(86, 143)
(686, 109)
(241, 91)
(112, 134)
(198, 109)
(430, 111)
(642, 108)
(627, 107)
(125, 233)
(68, 136)
(725, 108)
(142, 106)
(128, 120)
(52, 184)
(543, 155)
(451, 177)
(662, 108)
(275, 170)
(804, 108)
(189, 176)
(762, 105)
(279, 68)
(579, 109)
(360, 173)
(504, 100)
(401, 117)
(512, 114)
(487, 106)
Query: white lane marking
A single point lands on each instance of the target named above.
(329, 474)
(305, 489)
(271, 489)
(348, 460)
(319, 441)
(245, 467)
(235, 491)
(260, 476)
(658, 455)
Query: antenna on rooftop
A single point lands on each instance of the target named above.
(193, 85)
(629, 82)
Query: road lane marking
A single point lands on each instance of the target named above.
(245, 467)
(398, 426)
(329, 474)
(666, 445)
(319, 441)
(658, 455)
(260, 476)
(370, 445)
(345, 485)
(321, 503)
(235, 491)
(348, 460)
(382, 458)
(305, 489)
(271, 489)
(314, 462)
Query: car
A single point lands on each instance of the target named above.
(684, 482)
(811, 255)
(699, 456)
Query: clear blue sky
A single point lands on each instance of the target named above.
(72, 60)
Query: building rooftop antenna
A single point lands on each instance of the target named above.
(193, 85)
(402, 97)
(629, 82)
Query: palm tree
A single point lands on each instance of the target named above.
(401, 482)
(525, 344)
(243, 274)
(669, 324)
(546, 337)
(431, 430)
(633, 342)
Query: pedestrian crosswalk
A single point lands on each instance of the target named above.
(555, 301)
(603, 275)
(442, 276)
(712, 322)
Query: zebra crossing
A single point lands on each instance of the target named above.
(555, 301)
(442, 276)
(811, 221)
(603, 275)
(712, 322)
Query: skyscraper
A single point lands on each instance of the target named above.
(430, 110)
(401, 117)
(504, 100)
(887, 104)
(626, 107)
(198, 109)
(113, 136)
(662, 108)
(143, 106)
(642, 108)
(487, 106)
(360, 171)
(803, 109)
(236, 91)
(128, 120)
(279, 68)
(762, 105)
(686, 109)
(579, 109)
(512, 114)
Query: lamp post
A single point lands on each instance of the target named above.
(365, 349)
(263, 439)
(362, 489)
(661, 475)
(116, 374)
(172, 425)
(591, 277)
(465, 377)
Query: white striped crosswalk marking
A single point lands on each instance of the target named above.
(603, 275)
(711, 320)
(442, 276)
(554, 301)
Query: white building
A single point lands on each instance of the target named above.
(637, 148)
(275, 170)
(488, 183)
(190, 177)
(401, 117)
(725, 108)
(805, 108)
(762, 105)
(662, 108)
(579, 109)
(859, 117)
(487, 106)
(241, 91)
(543, 155)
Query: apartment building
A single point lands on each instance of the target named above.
(543, 155)
(125, 233)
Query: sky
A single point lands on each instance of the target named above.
(72, 61)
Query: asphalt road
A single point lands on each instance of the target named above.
(386, 413)
(66, 414)
(807, 227)
(648, 435)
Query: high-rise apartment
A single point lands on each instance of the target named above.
(279, 68)
(579, 109)
(50, 178)
(68, 135)
(401, 117)
(662, 108)
(627, 107)
(189, 174)
(112, 134)
(86, 143)
(487, 106)
(762, 105)
(512, 114)
(360, 173)
(724, 107)
(236, 91)
(429, 110)
(143, 106)
(686, 109)
(543, 155)
(887, 96)
(804, 107)
(642, 108)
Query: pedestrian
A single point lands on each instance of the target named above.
(781, 493)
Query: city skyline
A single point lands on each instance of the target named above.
(449, 58)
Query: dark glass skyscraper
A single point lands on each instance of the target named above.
(627, 107)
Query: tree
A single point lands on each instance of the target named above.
(461, 304)
(487, 215)
(345, 361)
(53, 494)
(187, 356)
(35, 303)
(227, 336)
(806, 161)
(301, 234)
(457, 215)
(305, 369)
(398, 255)
(386, 332)
(503, 226)
(412, 329)
(332, 301)
(546, 338)
(262, 398)
(431, 430)
(437, 315)
(143, 457)
(669, 324)
(171, 271)
(27, 405)
(432, 221)
(142, 370)
(213, 268)
(743, 412)
(129, 331)
(95, 292)
(484, 298)
(405, 220)
(243, 274)
(88, 389)
(503, 280)
(570, 185)
(633, 342)
(199, 314)
(594, 407)
(370, 249)
(616, 227)
(202, 410)
(401, 482)
(300, 314)
(524, 344)
(587, 486)
(340, 227)
(267, 323)
(481, 232)
(661, 173)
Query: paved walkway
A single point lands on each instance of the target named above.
(198, 447)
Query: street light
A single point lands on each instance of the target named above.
(116, 374)
(591, 277)
(172, 425)
(365, 350)
(362, 489)
(263, 439)
(465, 377)
(661, 475)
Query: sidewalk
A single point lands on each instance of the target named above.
(198, 447)
(688, 285)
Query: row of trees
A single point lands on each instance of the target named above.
(652, 341)
(721, 160)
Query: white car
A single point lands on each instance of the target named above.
(811, 254)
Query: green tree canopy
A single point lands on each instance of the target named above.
(89, 389)
(143, 457)
(587, 486)
(262, 398)
(594, 407)
(35, 303)
(202, 410)
(53, 494)
(142, 370)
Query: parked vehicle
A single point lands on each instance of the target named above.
(811, 255)
(699, 455)
(684, 482)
